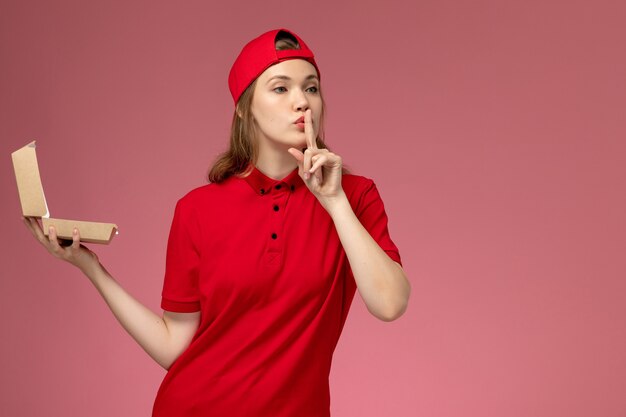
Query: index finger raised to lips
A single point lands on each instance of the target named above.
(308, 130)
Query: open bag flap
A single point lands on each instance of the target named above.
(28, 180)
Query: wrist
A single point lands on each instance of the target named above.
(92, 270)
(338, 205)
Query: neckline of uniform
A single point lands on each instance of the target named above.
(262, 184)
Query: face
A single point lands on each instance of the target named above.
(281, 96)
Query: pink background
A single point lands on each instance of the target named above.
(495, 132)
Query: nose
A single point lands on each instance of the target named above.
(300, 101)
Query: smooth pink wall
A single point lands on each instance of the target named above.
(494, 129)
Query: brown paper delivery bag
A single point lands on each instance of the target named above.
(34, 203)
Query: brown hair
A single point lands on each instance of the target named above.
(243, 150)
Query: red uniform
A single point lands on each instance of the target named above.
(262, 261)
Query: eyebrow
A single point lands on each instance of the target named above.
(284, 77)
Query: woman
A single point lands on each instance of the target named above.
(263, 262)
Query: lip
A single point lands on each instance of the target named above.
(300, 120)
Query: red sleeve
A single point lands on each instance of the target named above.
(180, 287)
(371, 213)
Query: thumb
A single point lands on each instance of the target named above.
(298, 155)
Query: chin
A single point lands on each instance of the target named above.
(286, 142)
(295, 143)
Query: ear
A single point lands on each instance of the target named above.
(239, 112)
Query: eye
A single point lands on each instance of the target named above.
(312, 89)
(280, 90)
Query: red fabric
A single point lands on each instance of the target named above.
(262, 261)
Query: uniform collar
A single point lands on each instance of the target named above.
(262, 184)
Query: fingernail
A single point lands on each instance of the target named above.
(306, 175)
(75, 231)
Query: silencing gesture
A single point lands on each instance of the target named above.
(320, 169)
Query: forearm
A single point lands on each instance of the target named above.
(163, 338)
(146, 327)
(380, 280)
